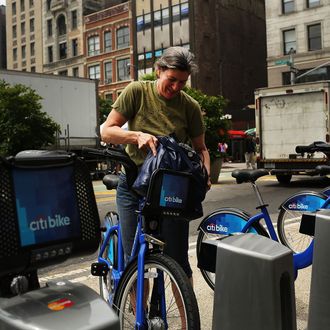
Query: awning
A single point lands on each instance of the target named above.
(251, 131)
(233, 134)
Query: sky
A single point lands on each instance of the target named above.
(2, 2)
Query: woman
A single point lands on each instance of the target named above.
(157, 108)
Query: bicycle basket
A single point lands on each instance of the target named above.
(171, 193)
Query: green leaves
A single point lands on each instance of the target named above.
(22, 123)
(216, 123)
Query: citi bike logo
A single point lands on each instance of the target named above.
(50, 223)
(173, 199)
(216, 228)
(297, 206)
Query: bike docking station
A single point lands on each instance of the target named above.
(319, 316)
(254, 285)
(48, 214)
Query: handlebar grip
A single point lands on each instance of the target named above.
(302, 149)
(92, 152)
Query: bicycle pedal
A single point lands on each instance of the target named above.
(99, 269)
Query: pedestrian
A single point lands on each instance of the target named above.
(250, 152)
(157, 108)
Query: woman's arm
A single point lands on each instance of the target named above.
(113, 133)
(199, 146)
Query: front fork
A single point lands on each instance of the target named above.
(144, 242)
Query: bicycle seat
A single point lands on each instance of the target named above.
(111, 181)
(323, 169)
(248, 175)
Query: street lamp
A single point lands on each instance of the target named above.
(293, 70)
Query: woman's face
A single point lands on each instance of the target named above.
(170, 82)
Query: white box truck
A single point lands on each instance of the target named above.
(287, 116)
(73, 104)
(70, 102)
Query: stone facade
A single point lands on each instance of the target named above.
(24, 35)
(299, 19)
(3, 55)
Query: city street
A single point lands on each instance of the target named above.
(225, 193)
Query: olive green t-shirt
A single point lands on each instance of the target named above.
(149, 112)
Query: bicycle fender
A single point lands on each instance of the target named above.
(227, 220)
(305, 201)
(326, 191)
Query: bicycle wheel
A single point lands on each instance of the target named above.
(289, 219)
(221, 223)
(180, 301)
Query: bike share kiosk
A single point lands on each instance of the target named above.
(48, 214)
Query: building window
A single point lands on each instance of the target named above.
(14, 54)
(93, 45)
(13, 8)
(14, 31)
(314, 37)
(63, 73)
(108, 96)
(289, 41)
(74, 19)
(123, 69)
(313, 3)
(108, 73)
(22, 5)
(123, 37)
(165, 16)
(62, 50)
(287, 6)
(33, 69)
(61, 25)
(23, 28)
(49, 28)
(32, 25)
(49, 4)
(74, 47)
(32, 49)
(143, 22)
(75, 72)
(31, 2)
(23, 52)
(50, 54)
(94, 72)
(107, 41)
(180, 11)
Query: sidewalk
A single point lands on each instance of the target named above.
(227, 168)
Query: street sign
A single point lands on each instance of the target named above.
(282, 62)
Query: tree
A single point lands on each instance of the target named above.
(105, 106)
(216, 122)
(22, 123)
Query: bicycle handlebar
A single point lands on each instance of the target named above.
(314, 147)
(117, 155)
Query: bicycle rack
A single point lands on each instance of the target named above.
(319, 317)
(254, 286)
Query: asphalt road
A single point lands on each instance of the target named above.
(225, 193)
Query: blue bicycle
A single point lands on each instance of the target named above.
(227, 221)
(150, 291)
(289, 217)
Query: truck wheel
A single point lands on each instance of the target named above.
(283, 178)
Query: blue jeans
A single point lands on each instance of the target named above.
(174, 231)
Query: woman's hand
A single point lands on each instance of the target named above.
(147, 141)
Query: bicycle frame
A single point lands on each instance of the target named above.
(139, 249)
(300, 260)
